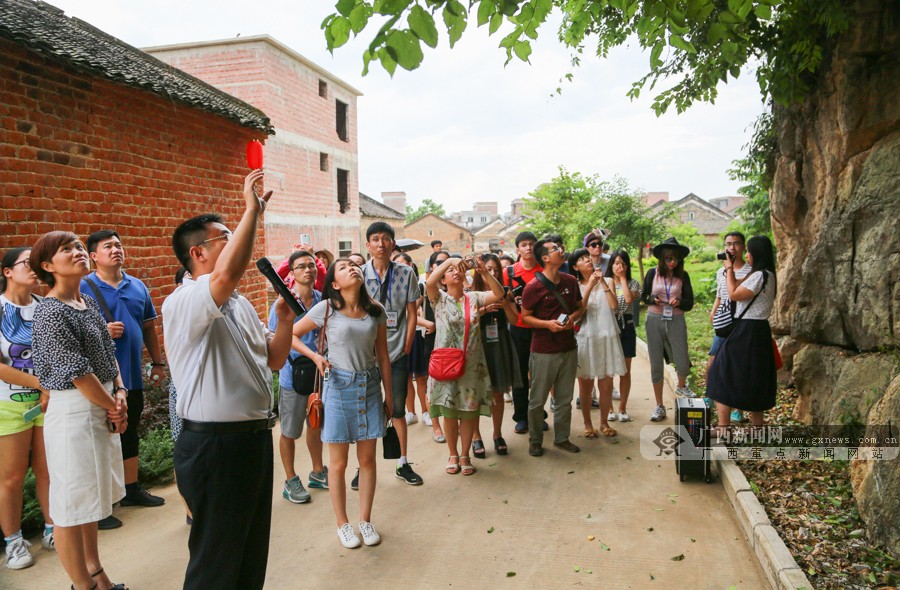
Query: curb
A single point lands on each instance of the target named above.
(771, 553)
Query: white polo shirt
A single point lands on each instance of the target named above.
(218, 356)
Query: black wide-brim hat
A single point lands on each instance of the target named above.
(672, 244)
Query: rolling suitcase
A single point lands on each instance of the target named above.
(693, 456)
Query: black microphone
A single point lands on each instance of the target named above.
(268, 271)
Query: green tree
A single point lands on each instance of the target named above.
(427, 206)
(562, 205)
(694, 45)
(756, 170)
(688, 235)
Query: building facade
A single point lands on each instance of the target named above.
(456, 239)
(312, 160)
(709, 220)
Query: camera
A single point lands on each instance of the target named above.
(517, 291)
(722, 255)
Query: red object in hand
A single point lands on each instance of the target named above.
(254, 155)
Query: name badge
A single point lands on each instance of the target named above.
(667, 312)
(393, 320)
(492, 332)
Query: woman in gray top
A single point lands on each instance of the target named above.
(355, 367)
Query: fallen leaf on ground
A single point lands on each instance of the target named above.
(490, 530)
(506, 501)
(659, 509)
(591, 537)
(570, 472)
(577, 569)
(604, 546)
(650, 529)
(510, 574)
(678, 557)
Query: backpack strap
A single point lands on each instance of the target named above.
(548, 284)
(100, 300)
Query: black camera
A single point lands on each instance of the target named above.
(722, 255)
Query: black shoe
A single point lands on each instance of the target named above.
(109, 523)
(567, 446)
(546, 426)
(354, 485)
(406, 473)
(535, 449)
(142, 498)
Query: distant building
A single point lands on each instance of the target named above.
(456, 239)
(370, 211)
(729, 204)
(311, 162)
(709, 220)
(488, 237)
(651, 199)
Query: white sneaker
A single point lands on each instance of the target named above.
(611, 417)
(659, 413)
(507, 397)
(370, 537)
(411, 418)
(348, 536)
(47, 540)
(17, 554)
(616, 394)
(685, 392)
(624, 417)
(426, 419)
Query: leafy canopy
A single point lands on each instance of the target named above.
(427, 206)
(694, 44)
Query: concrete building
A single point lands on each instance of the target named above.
(312, 161)
(456, 239)
(97, 134)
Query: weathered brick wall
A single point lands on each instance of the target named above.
(456, 240)
(80, 153)
(708, 223)
(287, 90)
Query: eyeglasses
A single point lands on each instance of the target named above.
(310, 266)
(594, 245)
(225, 235)
(554, 249)
(26, 262)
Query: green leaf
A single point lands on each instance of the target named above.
(455, 8)
(486, 9)
(763, 12)
(604, 547)
(390, 7)
(490, 530)
(728, 17)
(359, 17)
(522, 50)
(496, 21)
(345, 6)
(455, 19)
(679, 43)
(422, 24)
(716, 33)
(577, 568)
(525, 14)
(404, 48)
(387, 62)
(340, 31)
(655, 62)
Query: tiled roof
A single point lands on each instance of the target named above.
(710, 226)
(369, 207)
(46, 30)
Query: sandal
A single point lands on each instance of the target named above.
(500, 446)
(453, 468)
(467, 469)
(607, 431)
(591, 433)
(478, 449)
(114, 587)
(94, 587)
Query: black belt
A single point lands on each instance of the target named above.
(229, 427)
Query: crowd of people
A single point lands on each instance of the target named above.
(374, 338)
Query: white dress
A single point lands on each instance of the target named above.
(599, 346)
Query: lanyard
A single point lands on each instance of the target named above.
(668, 289)
(385, 295)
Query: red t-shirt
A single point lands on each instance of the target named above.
(526, 275)
(545, 306)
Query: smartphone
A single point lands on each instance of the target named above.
(31, 414)
(562, 319)
(470, 263)
(305, 239)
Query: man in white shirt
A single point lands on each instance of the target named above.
(221, 358)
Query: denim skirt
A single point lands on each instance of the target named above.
(354, 407)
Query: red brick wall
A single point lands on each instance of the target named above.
(287, 90)
(80, 153)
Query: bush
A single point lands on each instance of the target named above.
(32, 518)
(155, 463)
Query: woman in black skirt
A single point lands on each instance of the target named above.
(744, 374)
(499, 351)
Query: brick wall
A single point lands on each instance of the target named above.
(456, 240)
(80, 153)
(274, 79)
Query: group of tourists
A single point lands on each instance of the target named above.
(372, 339)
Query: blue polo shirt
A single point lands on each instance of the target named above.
(310, 339)
(130, 304)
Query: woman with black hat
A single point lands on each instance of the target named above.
(668, 294)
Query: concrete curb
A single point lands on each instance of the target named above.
(771, 553)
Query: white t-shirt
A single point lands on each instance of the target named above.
(15, 348)
(762, 307)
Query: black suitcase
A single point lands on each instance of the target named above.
(693, 455)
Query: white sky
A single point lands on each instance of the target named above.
(463, 128)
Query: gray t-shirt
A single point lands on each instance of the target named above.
(350, 342)
(398, 288)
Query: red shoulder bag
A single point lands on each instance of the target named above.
(449, 364)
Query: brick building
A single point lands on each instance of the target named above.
(709, 220)
(729, 204)
(456, 239)
(372, 210)
(97, 134)
(311, 161)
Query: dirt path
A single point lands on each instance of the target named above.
(541, 512)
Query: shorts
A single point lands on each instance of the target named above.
(628, 337)
(354, 408)
(418, 361)
(11, 420)
(130, 436)
(716, 345)
(292, 412)
(399, 391)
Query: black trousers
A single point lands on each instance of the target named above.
(226, 480)
(521, 338)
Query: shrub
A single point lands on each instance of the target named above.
(155, 464)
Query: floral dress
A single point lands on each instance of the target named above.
(470, 395)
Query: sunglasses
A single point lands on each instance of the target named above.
(594, 245)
